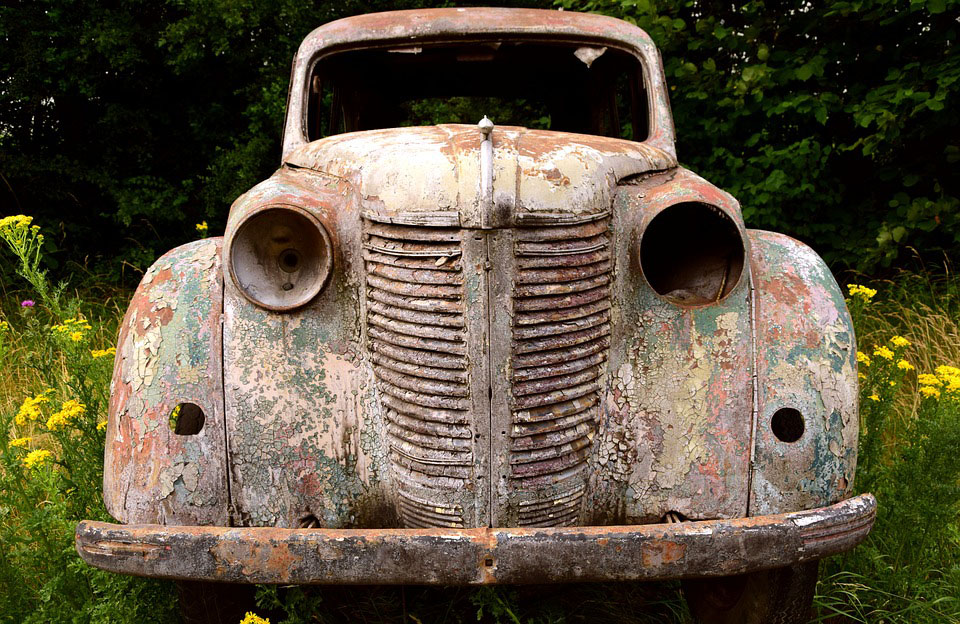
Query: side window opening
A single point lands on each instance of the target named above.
(563, 87)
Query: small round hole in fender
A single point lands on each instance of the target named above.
(187, 419)
(787, 424)
(692, 254)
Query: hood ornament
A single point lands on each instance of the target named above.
(486, 165)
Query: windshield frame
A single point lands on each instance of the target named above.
(438, 27)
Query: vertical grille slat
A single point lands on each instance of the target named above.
(417, 339)
(561, 329)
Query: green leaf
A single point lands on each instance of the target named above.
(804, 72)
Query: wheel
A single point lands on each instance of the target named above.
(778, 596)
(214, 603)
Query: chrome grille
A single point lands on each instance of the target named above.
(561, 333)
(417, 343)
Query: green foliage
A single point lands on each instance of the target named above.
(51, 460)
(827, 120)
(908, 570)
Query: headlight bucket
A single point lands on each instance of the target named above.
(692, 254)
(280, 257)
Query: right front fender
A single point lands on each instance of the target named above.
(169, 352)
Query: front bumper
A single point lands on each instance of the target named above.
(476, 556)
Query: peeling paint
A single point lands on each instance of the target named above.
(474, 363)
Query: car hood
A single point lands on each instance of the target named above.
(432, 174)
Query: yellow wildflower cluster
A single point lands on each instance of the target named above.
(102, 425)
(858, 290)
(74, 328)
(19, 442)
(905, 365)
(30, 408)
(874, 397)
(15, 222)
(19, 234)
(253, 618)
(950, 376)
(947, 379)
(202, 228)
(35, 458)
(102, 353)
(4, 326)
(899, 342)
(883, 352)
(926, 379)
(863, 358)
(69, 411)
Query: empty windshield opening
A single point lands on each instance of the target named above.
(567, 87)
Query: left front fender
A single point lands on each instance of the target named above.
(169, 352)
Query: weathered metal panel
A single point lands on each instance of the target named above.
(477, 556)
(169, 352)
(806, 356)
(305, 435)
(675, 429)
(431, 175)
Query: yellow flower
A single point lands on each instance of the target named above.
(35, 458)
(74, 328)
(102, 353)
(19, 442)
(929, 391)
(953, 384)
(892, 383)
(202, 227)
(863, 358)
(861, 376)
(4, 326)
(948, 371)
(858, 290)
(874, 397)
(926, 379)
(904, 365)
(102, 425)
(15, 222)
(899, 341)
(69, 411)
(883, 352)
(30, 408)
(253, 618)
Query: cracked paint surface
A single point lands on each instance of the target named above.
(169, 353)
(675, 429)
(806, 361)
(428, 384)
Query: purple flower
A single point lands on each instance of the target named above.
(27, 303)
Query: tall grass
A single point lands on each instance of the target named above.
(55, 365)
(55, 376)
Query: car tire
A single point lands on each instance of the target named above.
(214, 603)
(778, 596)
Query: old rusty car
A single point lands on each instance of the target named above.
(533, 349)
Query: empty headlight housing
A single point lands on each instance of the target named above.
(280, 257)
(692, 254)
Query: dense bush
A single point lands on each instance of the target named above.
(827, 120)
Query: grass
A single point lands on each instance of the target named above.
(908, 571)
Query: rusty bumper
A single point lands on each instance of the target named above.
(476, 556)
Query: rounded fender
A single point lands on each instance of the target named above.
(806, 380)
(169, 353)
